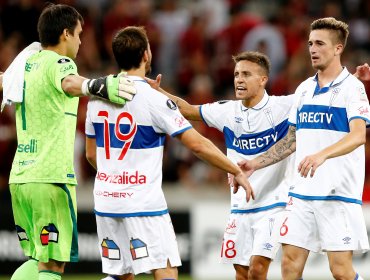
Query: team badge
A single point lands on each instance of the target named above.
(22, 235)
(48, 234)
(138, 249)
(110, 250)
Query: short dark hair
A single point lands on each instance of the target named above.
(256, 57)
(129, 45)
(339, 28)
(53, 20)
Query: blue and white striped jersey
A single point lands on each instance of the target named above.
(322, 117)
(130, 142)
(249, 132)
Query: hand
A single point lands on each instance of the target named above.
(310, 163)
(115, 88)
(155, 83)
(240, 180)
(247, 167)
(363, 72)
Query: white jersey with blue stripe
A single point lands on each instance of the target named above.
(130, 143)
(322, 118)
(249, 132)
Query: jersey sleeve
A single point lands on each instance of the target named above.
(166, 115)
(358, 105)
(89, 128)
(61, 68)
(296, 99)
(213, 114)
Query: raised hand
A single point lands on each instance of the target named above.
(363, 72)
(155, 83)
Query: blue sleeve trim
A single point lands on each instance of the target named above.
(259, 209)
(292, 124)
(181, 131)
(329, 197)
(362, 118)
(90, 136)
(201, 115)
(127, 215)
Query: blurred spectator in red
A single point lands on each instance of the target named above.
(228, 42)
(194, 54)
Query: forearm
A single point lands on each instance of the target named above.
(277, 152)
(346, 145)
(1, 81)
(190, 112)
(72, 85)
(209, 153)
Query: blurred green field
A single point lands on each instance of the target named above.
(100, 276)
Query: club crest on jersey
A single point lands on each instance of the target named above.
(22, 235)
(63, 60)
(48, 234)
(110, 250)
(138, 249)
(170, 104)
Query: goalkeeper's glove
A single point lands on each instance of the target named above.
(115, 88)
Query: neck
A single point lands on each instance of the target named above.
(140, 72)
(251, 102)
(330, 73)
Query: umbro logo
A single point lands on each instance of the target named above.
(347, 240)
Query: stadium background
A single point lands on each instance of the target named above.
(192, 42)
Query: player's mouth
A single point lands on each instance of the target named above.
(314, 58)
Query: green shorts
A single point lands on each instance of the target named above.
(45, 220)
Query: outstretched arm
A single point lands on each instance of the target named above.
(190, 112)
(204, 149)
(115, 88)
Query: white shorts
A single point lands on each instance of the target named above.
(322, 225)
(136, 244)
(251, 234)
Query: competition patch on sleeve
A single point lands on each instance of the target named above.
(171, 104)
(64, 60)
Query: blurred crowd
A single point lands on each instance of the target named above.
(192, 42)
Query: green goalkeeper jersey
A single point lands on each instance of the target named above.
(46, 122)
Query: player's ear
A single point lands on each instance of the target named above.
(146, 56)
(264, 80)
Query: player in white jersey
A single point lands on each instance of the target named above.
(125, 145)
(328, 131)
(251, 124)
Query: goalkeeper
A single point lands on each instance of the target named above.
(42, 179)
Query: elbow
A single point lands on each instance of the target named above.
(67, 84)
(90, 157)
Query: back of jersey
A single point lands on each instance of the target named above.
(130, 143)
